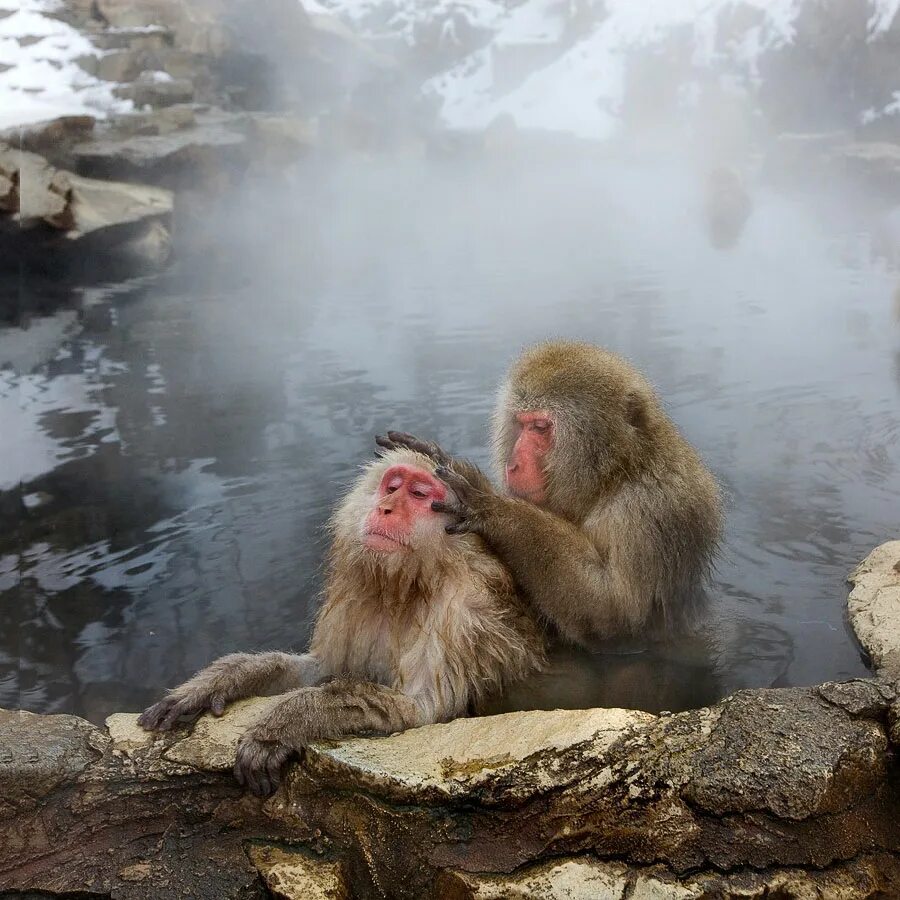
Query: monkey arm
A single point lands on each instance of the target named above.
(340, 708)
(230, 678)
(555, 564)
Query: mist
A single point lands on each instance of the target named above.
(696, 186)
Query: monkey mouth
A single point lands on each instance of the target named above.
(383, 540)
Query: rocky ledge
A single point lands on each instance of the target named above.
(790, 793)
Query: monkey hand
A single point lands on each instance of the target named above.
(467, 505)
(259, 763)
(210, 690)
(396, 440)
(183, 706)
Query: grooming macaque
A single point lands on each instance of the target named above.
(610, 520)
(418, 625)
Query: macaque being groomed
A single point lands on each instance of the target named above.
(610, 520)
(418, 626)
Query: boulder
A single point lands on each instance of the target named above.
(211, 149)
(781, 792)
(59, 216)
(874, 607)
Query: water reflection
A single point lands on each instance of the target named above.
(169, 450)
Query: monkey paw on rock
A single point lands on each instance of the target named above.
(181, 709)
(258, 764)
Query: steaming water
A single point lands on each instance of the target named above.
(170, 449)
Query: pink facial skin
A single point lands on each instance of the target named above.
(525, 466)
(405, 496)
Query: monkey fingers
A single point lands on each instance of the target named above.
(397, 439)
(258, 764)
(173, 711)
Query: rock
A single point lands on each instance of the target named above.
(29, 193)
(39, 754)
(874, 605)
(50, 139)
(587, 879)
(574, 879)
(58, 216)
(873, 164)
(293, 875)
(213, 742)
(800, 155)
(212, 150)
(280, 139)
(149, 89)
(791, 755)
(765, 794)
(91, 205)
(497, 757)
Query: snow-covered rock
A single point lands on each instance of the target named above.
(570, 65)
(40, 77)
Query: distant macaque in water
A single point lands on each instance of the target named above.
(419, 624)
(886, 238)
(726, 206)
(610, 520)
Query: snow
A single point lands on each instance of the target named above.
(581, 91)
(39, 79)
(883, 15)
(402, 19)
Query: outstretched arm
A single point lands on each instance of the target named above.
(340, 708)
(565, 576)
(230, 678)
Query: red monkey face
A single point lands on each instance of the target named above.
(402, 516)
(526, 467)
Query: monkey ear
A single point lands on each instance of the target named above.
(635, 410)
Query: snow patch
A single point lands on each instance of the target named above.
(581, 91)
(883, 14)
(39, 78)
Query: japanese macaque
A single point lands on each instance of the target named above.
(610, 520)
(726, 207)
(418, 625)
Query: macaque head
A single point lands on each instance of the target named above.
(387, 516)
(524, 469)
(401, 517)
(570, 417)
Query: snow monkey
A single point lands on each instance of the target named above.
(610, 520)
(418, 625)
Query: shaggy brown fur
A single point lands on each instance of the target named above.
(632, 517)
(410, 638)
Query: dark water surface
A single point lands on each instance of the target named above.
(170, 449)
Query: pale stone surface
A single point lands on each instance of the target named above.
(585, 878)
(467, 755)
(211, 743)
(874, 606)
(292, 875)
(127, 736)
(573, 879)
(92, 204)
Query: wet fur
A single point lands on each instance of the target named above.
(402, 639)
(632, 517)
